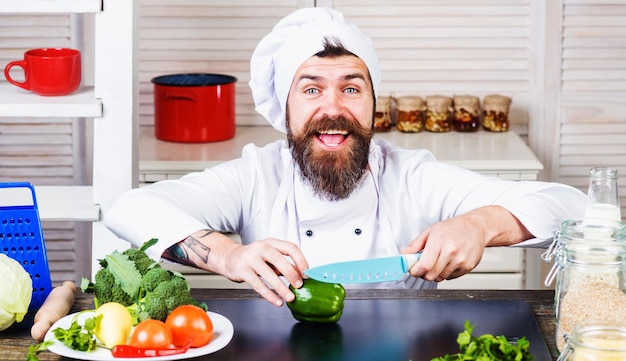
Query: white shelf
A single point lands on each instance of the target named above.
(56, 203)
(50, 6)
(17, 102)
(66, 203)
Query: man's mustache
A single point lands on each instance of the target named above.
(327, 123)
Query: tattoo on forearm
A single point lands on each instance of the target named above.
(198, 248)
(180, 252)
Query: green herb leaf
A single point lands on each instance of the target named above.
(488, 348)
(86, 286)
(148, 244)
(77, 337)
(34, 350)
(125, 273)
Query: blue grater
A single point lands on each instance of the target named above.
(21, 237)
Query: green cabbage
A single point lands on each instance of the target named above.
(16, 291)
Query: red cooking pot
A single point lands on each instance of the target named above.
(194, 108)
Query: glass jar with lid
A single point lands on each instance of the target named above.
(596, 341)
(410, 114)
(466, 113)
(438, 113)
(591, 270)
(496, 113)
(382, 118)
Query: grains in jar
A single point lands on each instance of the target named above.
(496, 113)
(592, 266)
(410, 115)
(382, 120)
(438, 113)
(466, 113)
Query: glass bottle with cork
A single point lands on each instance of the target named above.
(603, 195)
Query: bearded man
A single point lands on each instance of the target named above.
(333, 192)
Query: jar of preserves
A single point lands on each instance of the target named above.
(438, 113)
(591, 269)
(382, 119)
(596, 341)
(410, 114)
(496, 113)
(466, 113)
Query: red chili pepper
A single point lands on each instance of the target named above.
(128, 351)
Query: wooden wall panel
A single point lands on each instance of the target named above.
(593, 110)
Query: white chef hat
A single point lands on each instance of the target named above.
(292, 41)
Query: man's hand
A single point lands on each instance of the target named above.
(454, 247)
(262, 262)
(259, 264)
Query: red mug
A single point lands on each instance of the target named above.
(48, 71)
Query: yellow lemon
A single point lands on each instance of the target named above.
(114, 325)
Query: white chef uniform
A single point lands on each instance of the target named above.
(260, 196)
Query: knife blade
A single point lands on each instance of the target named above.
(373, 270)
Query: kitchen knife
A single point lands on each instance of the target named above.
(365, 271)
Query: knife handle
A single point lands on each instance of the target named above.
(408, 260)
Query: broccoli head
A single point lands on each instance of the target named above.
(154, 277)
(143, 263)
(106, 289)
(154, 308)
(166, 296)
(172, 293)
(119, 277)
(139, 283)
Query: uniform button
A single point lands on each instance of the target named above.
(357, 231)
(309, 233)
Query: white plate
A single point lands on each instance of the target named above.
(222, 334)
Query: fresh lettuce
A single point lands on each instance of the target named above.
(16, 291)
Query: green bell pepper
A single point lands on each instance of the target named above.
(317, 302)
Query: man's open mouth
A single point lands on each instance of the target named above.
(332, 138)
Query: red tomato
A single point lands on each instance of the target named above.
(151, 334)
(189, 322)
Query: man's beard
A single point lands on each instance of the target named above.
(332, 174)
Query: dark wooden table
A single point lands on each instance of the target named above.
(15, 341)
